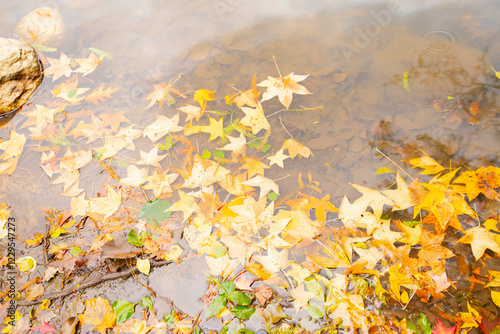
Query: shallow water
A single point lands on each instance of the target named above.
(446, 49)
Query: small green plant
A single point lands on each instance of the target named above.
(237, 302)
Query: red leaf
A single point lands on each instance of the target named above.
(46, 328)
(440, 329)
(486, 326)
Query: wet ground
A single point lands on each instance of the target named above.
(382, 74)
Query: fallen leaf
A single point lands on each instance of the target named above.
(295, 148)
(278, 158)
(106, 205)
(283, 87)
(99, 313)
(59, 67)
(255, 119)
(100, 94)
(480, 239)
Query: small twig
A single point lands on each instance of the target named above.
(379, 151)
(285, 128)
(89, 284)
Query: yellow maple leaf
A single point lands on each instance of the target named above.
(88, 65)
(295, 148)
(202, 95)
(59, 67)
(480, 239)
(255, 119)
(429, 165)
(283, 87)
(106, 205)
(99, 313)
(254, 166)
(216, 128)
(321, 206)
(14, 146)
(484, 179)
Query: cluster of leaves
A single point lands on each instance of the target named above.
(337, 272)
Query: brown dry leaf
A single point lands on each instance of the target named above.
(283, 87)
(99, 313)
(295, 148)
(35, 292)
(339, 77)
(264, 293)
(474, 108)
(100, 94)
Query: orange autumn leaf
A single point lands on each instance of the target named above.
(100, 94)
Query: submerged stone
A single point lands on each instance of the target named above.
(20, 74)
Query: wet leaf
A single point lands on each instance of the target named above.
(99, 313)
(123, 310)
(155, 211)
(216, 306)
(243, 312)
(147, 303)
(239, 298)
(284, 88)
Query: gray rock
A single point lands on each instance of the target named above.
(20, 73)
(45, 24)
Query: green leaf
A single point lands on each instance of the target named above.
(244, 331)
(169, 318)
(168, 143)
(272, 196)
(75, 251)
(315, 311)
(216, 306)
(228, 286)
(256, 144)
(101, 53)
(155, 211)
(219, 154)
(411, 223)
(135, 239)
(239, 298)
(419, 323)
(361, 245)
(123, 310)
(43, 48)
(206, 154)
(219, 251)
(243, 312)
(198, 330)
(146, 302)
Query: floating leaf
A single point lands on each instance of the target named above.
(155, 211)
